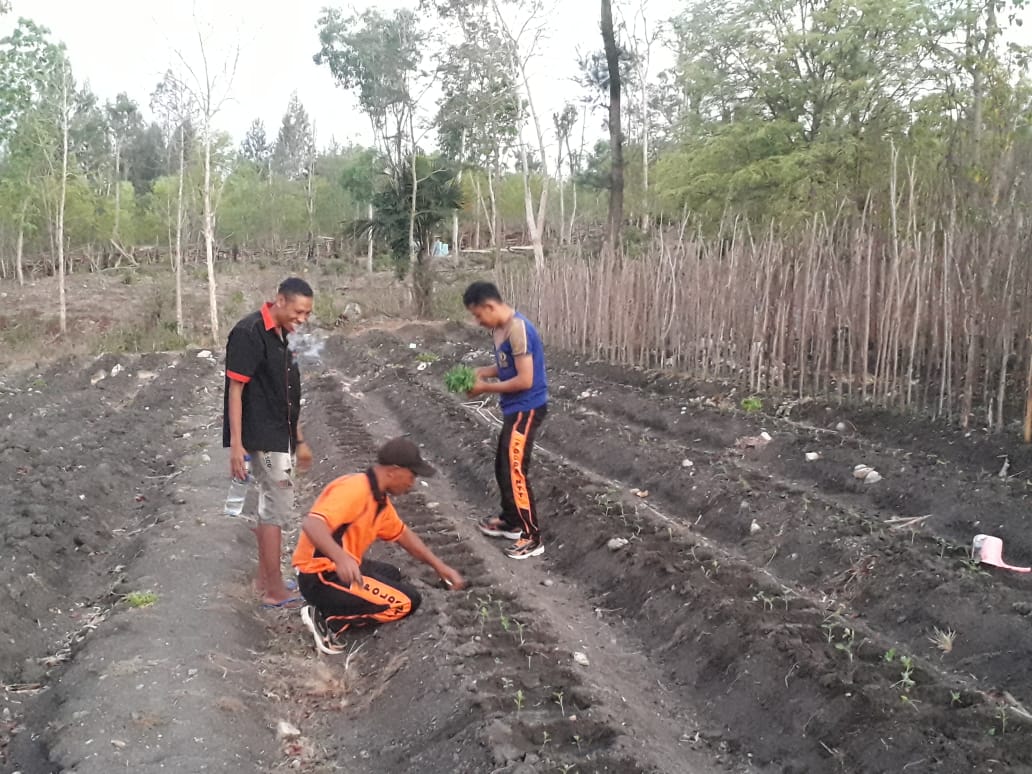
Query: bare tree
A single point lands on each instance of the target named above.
(210, 88)
(176, 103)
(616, 169)
(522, 43)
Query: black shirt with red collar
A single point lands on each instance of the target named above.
(258, 356)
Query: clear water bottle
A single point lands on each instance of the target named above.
(238, 490)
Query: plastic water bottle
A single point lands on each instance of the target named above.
(238, 490)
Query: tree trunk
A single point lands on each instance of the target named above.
(616, 171)
(118, 191)
(209, 236)
(646, 218)
(310, 203)
(423, 285)
(62, 300)
(369, 249)
(496, 236)
(528, 205)
(179, 233)
(19, 249)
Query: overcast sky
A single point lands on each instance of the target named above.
(126, 45)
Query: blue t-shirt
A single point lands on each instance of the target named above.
(520, 337)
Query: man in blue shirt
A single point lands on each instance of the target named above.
(519, 380)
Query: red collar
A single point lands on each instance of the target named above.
(267, 317)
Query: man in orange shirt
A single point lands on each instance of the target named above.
(342, 589)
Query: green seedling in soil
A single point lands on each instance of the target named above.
(848, 641)
(954, 698)
(1001, 715)
(140, 598)
(906, 682)
(890, 655)
(545, 739)
(427, 357)
(520, 626)
(558, 695)
(912, 703)
(768, 602)
(460, 379)
(518, 700)
(943, 640)
(576, 740)
(752, 404)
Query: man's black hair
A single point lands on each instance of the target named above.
(295, 286)
(480, 293)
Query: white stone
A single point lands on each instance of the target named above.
(615, 544)
(580, 658)
(285, 730)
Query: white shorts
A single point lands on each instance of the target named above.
(272, 473)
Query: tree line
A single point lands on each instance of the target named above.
(775, 118)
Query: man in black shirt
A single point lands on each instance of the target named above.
(261, 420)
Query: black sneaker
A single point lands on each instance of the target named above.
(324, 639)
(524, 548)
(495, 526)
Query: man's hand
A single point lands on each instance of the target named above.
(237, 464)
(303, 457)
(348, 570)
(451, 578)
(479, 388)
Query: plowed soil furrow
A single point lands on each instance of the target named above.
(734, 646)
(481, 680)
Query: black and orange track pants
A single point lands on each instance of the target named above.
(384, 596)
(512, 461)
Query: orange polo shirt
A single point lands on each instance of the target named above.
(357, 514)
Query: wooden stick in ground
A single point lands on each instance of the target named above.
(1028, 400)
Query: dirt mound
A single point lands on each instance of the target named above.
(709, 600)
(759, 582)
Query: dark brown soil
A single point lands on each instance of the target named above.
(767, 614)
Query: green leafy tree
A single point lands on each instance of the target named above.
(379, 58)
(405, 213)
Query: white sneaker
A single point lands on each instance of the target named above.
(324, 640)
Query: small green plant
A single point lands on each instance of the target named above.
(520, 626)
(912, 703)
(140, 598)
(1001, 715)
(519, 700)
(752, 404)
(848, 641)
(558, 696)
(460, 379)
(890, 655)
(954, 698)
(427, 357)
(906, 681)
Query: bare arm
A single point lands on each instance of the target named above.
(487, 372)
(410, 541)
(237, 467)
(523, 380)
(319, 533)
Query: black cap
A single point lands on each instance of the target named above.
(404, 454)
